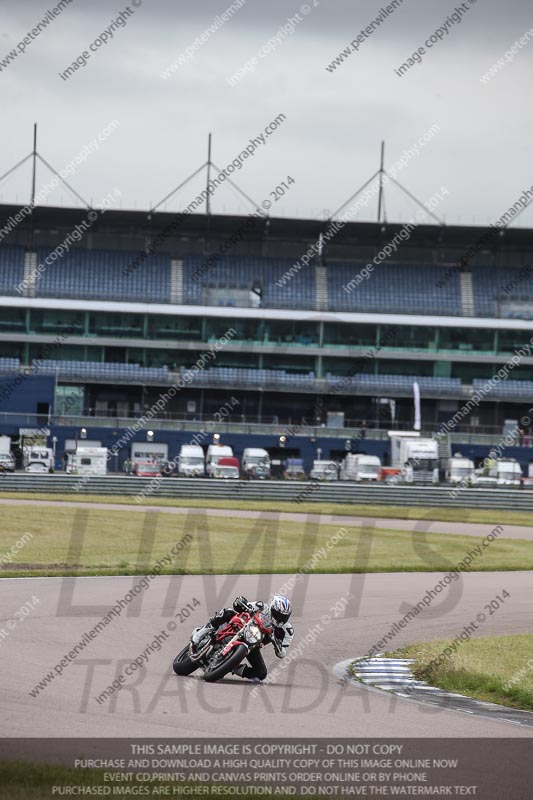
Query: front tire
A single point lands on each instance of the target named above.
(182, 664)
(222, 668)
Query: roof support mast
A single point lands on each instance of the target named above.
(208, 198)
(34, 165)
(381, 173)
(35, 155)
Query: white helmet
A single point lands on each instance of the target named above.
(280, 609)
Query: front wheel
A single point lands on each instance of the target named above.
(182, 664)
(226, 664)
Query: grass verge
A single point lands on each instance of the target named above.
(498, 669)
(436, 514)
(92, 541)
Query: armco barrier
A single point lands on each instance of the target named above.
(271, 491)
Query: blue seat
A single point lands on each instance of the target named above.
(11, 269)
(105, 275)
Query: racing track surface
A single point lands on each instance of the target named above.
(304, 700)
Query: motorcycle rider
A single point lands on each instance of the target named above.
(279, 609)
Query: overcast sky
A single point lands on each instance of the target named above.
(329, 143)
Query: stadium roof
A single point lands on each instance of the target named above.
(131, 230)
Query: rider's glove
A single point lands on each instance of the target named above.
(241, 604)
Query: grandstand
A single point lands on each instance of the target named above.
(100, 273)
(395, 287)
(11, 268)
(117, 323)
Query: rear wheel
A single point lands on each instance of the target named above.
(182, 664)
(224, 665)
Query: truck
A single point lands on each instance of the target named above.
(498, 472)
(7, 462)
(459, 469)
(527, 482)
(294, 469)
(191, 461)
(147, 469)
(485, 475)
(226, 467)
(87, 461)
(508, 472)
(415, 459)
(5, 445)
(324, 471)
(214, 453)
(255, 463)
(360, 467)
(38, 459)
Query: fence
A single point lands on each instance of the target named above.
(271, 491)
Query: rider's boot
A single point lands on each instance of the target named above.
(240, 672)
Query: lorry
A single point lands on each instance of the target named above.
(527, 482)
(485, 475)
(87, 461)
(226, 467)
(324, 471)
(214, 453)
(191, 461)
(459, 469)
(255, 463)
(414, 459)
(7, 462)
(508, 472)
(38, 459)
(147, 469)
(360, 467)
(294, 469)
(498, 472)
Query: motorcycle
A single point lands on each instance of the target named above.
(222, 652)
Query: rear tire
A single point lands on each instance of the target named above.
(234, 657)
(182, 664)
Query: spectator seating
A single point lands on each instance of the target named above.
(11, 269)
(106, 275)
(390, 287)
(399, 383)
(393, 288)
(506, 389)
(101, 371)
(280, 288)
(9, 365)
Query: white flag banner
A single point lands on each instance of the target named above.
(416, 393)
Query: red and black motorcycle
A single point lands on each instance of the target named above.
(220, 653)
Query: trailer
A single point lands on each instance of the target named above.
(459, 470)
(87, 461)
(414, 458)
(360, 467)
(324, 470)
